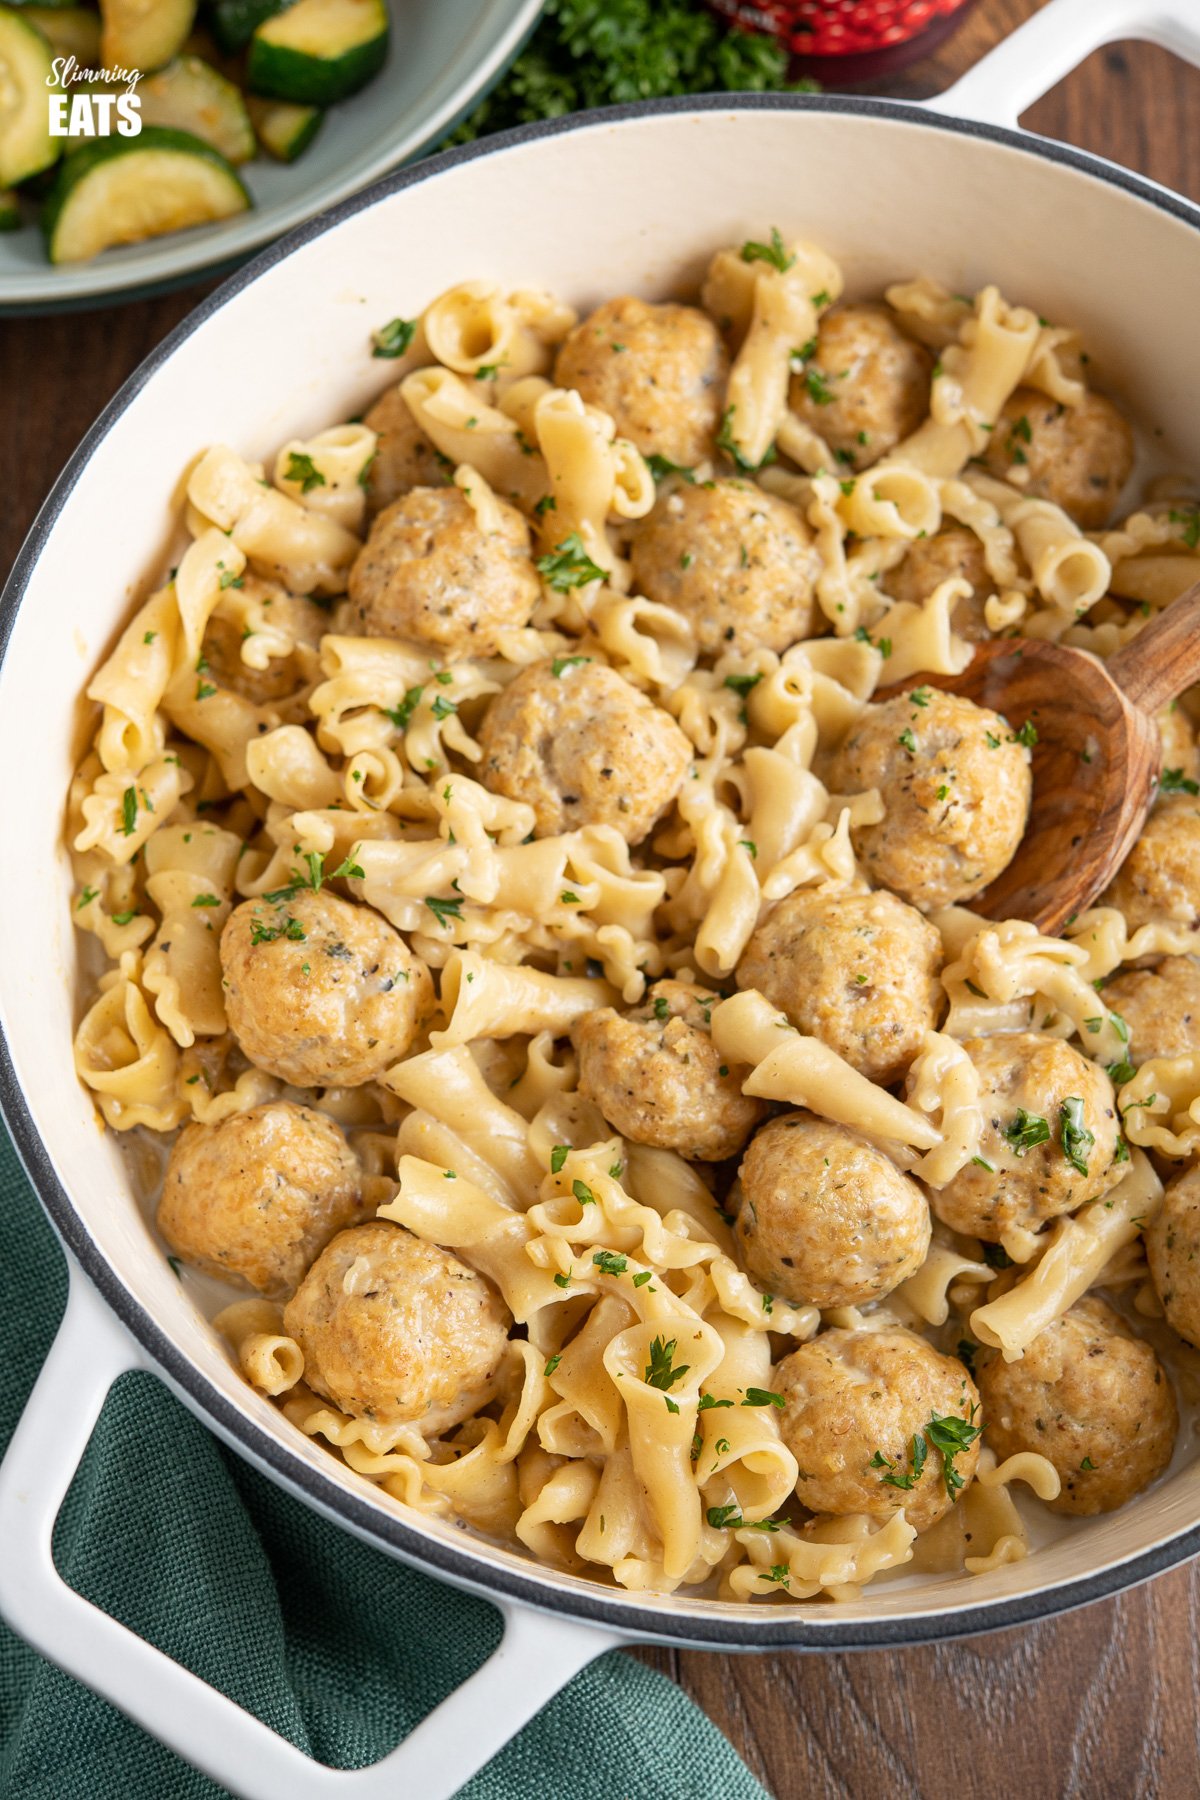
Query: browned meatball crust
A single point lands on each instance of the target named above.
(397, 1330)
(1173, 1251)
(430, 573)
(1077, 457)
(1159, 881)
(658, 371)
(859, 971)
(824, 1216)
(1091, 1398)
(739, 564)
(404, 457)
(320, 992)
(853, 1403)
(257, 1196)
(1161, 1007)
(956, 785)
(954, 553)
(864, 386)
(658, 1078)
(1031, 1084)
(583, 747)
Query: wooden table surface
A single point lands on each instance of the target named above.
(1103, 1704)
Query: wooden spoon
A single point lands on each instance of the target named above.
(1097, 759)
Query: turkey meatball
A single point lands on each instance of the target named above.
(1091, 1398)
(864, 386)
(260, 1194)
(658, 371)
(320, 992)
(855, 1401)
(429, 572)
(1159, 881)
(398, 1330)
(740, 565)
(858, 971)
(583, 747)
(404, 457)
(658, 1078)
(1047, 1110)
(1077, 457)
(825, 1217)
(1173, 1250)
(955, 783)
(1161, 1007)
(954, 553)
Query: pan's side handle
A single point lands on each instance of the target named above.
(1029, 62)
(537, 1655)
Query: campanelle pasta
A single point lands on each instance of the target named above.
(549, 968)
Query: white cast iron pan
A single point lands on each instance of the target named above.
(632, 200)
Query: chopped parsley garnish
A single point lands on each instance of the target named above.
(400, 715)
(558, 1157)
(993, 742)
(818, 387)
(966, 1352)
(920, 696)
(774, 253)
(1027, 735)
(442, 708)
(266, 934)
(302, 470)
(487, 371)
(662, 1007)
(583, 1193)
(443, 910)
(907, 741)
(207, 900)
(1074, 1136)
(129, 808)
(1174, 781)
(763, 1397)
(920, 1450)
(173, 1262)
(568, 566)
(1121, 1072)
(566, 662)
(562, 1281)
(227, 577)
(660, 1371)
(1025, 1132)
(85, 899)
(1191, 524)
(348, 869)
(546, 504)
(729, 1518)
(725, 441)
(205, 690)
(662, 466)
(643, 1277)
(1086, 1466)
(742, 684)
(553, 1363)
(394, 338)
(149, 637)
(610, 1263)
(123, 918)
(708, 1401)
(950, 1436)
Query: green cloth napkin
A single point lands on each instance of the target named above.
(337, 1647)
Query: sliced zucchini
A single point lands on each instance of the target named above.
(191, 96)
(284, 131)
(318, 51)
(121, 190)
(10, 210)
(234, 22)
(143, 34)
(26, 84)
(69, 30)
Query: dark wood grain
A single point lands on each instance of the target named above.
(1101, 1705)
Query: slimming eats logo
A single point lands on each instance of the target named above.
(93, 114)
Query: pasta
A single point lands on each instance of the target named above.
(563, 1023)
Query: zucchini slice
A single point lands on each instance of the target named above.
(120, 190)
(26, 82)
(318, 51)
(143, 34)
(191, 95)
(234, 22)
(69, 30)
(284, 131)
(10, 210)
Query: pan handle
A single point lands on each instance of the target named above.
(537, 1655)
(1029, 62)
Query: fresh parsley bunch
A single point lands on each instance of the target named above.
(600, 52)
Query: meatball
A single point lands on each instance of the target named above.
(404, 457)
(431, 573)
(258, 1195)
(658, 371)
(1161, 1007)
(223, 638)
(855, 1402)
(658, 1078)
(1078, 457)
(858, 971)
(398, 1330)
(825, 1217)
(1043, 1103)
(1159, 881)
(1091, 1398)
(739, 564)
(954, 552)
(864, 386)
(955, 783)
(320, 992)
(1180, 753)
(1173, 1250)
(583, 747)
